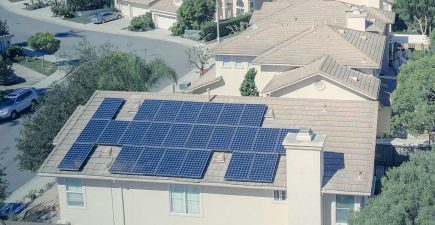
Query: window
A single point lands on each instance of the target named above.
(279, 195)
(239, 62)
(250, 60)
(185, 199)
(251, 6)
(226, 61)
(74, 193)
(344, 208)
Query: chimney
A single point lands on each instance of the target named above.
(356, 20)
(304, 154)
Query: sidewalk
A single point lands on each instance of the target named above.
(115, 27)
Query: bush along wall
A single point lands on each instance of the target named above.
(208, 30)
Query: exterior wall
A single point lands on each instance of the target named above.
(131, 9)
(307, 89)
(134, 203)
(384, 121)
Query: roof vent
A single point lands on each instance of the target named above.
(354, 77)
(106, 152)
(270, 114)
(341, 31)
(364, 37)
(219, 157)
(305, 134)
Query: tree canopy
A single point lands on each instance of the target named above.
(198, 56)
(5, 68)
(417, 14)
(408, 195)
(4, 28)
(100, 68)
(44, 41)
(413, 101)
(248, 87)
(192, 14)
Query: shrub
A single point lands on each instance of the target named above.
(14, 52)
(177, 29)
(208, 30)
(64, 10)
(192, 14)
(142, 23)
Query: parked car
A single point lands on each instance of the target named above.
(17, 101)
(11, 209)
(103, 17)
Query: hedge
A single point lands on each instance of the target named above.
(208, 30)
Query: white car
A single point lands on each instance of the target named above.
(14, 103)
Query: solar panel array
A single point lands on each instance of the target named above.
(176, 138)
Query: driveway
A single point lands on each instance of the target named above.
(27, 77)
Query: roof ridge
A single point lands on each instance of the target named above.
(281, 10)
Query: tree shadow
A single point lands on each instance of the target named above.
(333, 162)
(69, 34)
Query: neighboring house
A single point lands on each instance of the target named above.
(386, 5)
(165, 13)
(5, 41)
(132, 8)
(215, 159)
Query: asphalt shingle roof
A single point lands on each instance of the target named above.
(350, 127)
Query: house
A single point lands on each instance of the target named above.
(233, 160)
(164, 12)
(5, 41)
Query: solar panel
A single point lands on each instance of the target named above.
(156, 134)
(221, 138)
(126, 159)
(282, 133)
(134, 133)
(168, 111)
(148, 110)
(76, 156)
(263, 167)
(189, 112)
(243, 139)
(171, 162)
(239, 167)
(108, 108)
(252, 115)
(148, 161)
(231, 114)
(199, 136)
(92, 131)
(113, 132)
(265, 140)
(194, 164)
(210, 113)
(178, 135)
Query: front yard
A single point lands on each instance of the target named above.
(36, 65)
(80, 19)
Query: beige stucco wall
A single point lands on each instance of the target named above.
(307, 89)
(148, 203)
(384, 121)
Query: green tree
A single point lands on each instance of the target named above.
(5, 68)
(192, 14)
(248, 87)
(4, 28)
(142, 22)
(417, 14)
(413, 101)
(198, 56)
(45, 42)
(408, 195)
(103, 68)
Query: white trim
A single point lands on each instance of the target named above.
(83, 192)
(185, 188)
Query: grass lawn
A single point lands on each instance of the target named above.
(80, 19)
(36, 65)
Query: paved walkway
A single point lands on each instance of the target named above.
(114, 27)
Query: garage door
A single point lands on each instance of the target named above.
(165, 22)
(125, 10)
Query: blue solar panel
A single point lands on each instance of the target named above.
(210, 113)
(134, 133)
(263, 167)
(194, 164)
(148, 110)
(189, 112)
(113, 132)
(168, 111)
(171, 162)
(156, 134)
(266, 140)
(243, 139)
(221, 138)
(148, 161)
(108, 108)
(76, 156)
(240, 165)
(252, 115)
(283, 132)
(92, 131)
(126, 159)
(199, 136)
(178, 135)
(231, 114)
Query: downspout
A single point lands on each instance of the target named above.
(122, 201)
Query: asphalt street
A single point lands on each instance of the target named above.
(23, 27)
